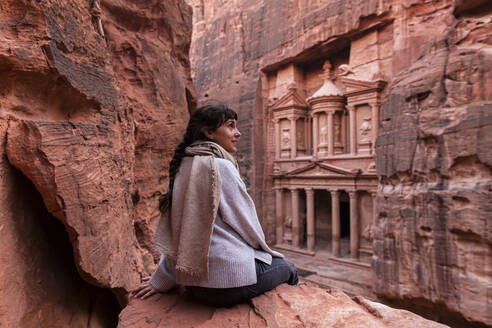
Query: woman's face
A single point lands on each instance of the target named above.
(226, 135)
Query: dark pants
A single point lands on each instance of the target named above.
(268, 277)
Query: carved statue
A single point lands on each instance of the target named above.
(323, 136)
(300, 139)
(288, 221)
(365, 129)
(326, 75)
(368, 233)
(337, 129)
(327, 67)
(344, 70)
(288, 228)
(285, 138)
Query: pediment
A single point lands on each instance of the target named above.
(353, 85)
(320, 170)
(291, 99)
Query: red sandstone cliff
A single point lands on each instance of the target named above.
(431, 239)
(88, 120)
(433, 234)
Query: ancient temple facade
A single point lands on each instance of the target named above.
(323, 132)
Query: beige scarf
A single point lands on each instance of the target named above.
(184, 234)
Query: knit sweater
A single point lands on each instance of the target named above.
(237, 239)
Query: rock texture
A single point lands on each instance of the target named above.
(432, 235)
(285, 306)
(89, 118)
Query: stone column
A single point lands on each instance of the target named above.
(354, 225)
(330, 133)
(293, 138)
(277, 139)
(295, 217)
(315, 135)
(335, 222)
(310, 219)
(279, 216)
(306, 135)
(309, 134)
(353, 130)
(374, 212)
(375, 125)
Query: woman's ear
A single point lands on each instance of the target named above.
(208, 134)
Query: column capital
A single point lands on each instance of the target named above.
(352, 194)
(373, 104)
(350, 108)
(333, 191)
(293, 189)
(309, 190)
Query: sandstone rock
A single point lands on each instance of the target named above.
(433, 231)
(285, 306)
(39, 282)
(75, 169)
(148, 43)
(91, 117)
(431, 239)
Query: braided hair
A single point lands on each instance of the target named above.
(206, 118)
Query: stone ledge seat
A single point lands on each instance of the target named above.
(305, 305)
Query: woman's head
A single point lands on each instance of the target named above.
(210, 123)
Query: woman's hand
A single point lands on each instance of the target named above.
(144, 290)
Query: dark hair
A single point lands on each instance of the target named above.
(206, 118)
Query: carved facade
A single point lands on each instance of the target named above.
(323, 169)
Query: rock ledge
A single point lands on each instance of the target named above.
(286, 306)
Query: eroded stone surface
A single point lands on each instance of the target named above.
(285, 306)
(433, 231)
(91, 117)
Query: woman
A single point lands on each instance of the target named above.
(209, 232)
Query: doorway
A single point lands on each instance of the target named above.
(344, 224)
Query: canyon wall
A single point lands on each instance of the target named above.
(94, 97)
(431, 237)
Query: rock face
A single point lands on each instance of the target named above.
(431, 237)
(285, 306)
(93, 100)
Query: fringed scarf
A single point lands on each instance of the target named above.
(184, 232)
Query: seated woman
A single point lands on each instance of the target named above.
(209, 231)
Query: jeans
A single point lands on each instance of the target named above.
(268, 277)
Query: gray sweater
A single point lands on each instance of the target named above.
(237, 239)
